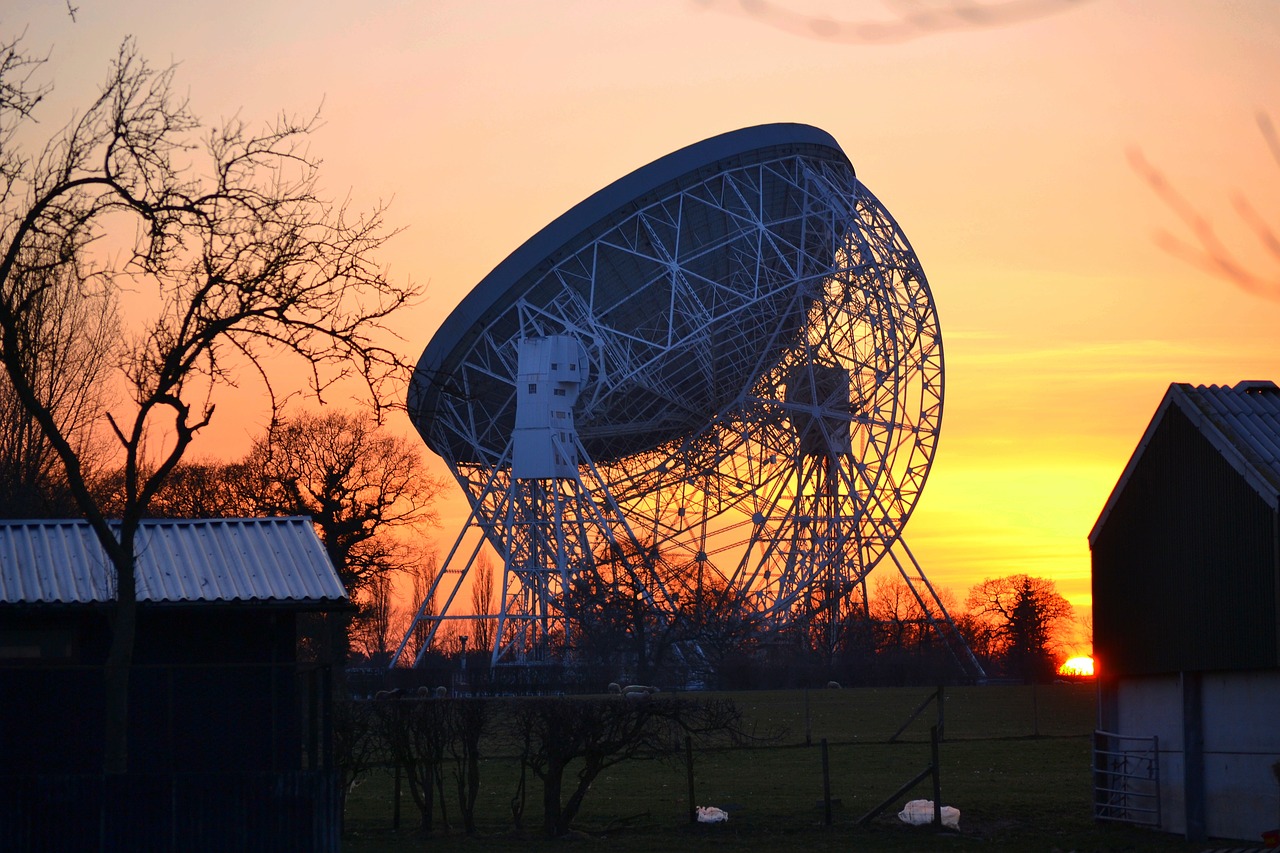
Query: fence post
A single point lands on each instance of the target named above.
(688, 765)
(942, 720)
(937, 776)
(826, 785)
(1099, 771)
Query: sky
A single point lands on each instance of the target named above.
(1006, 153)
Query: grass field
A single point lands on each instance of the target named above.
(1015, 761)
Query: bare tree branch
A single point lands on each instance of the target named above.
(231, 239)
(1204, 248)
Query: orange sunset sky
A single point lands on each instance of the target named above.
(1005, 153)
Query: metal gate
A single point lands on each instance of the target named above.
(1126, 778)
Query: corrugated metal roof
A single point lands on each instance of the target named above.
(206, 560)
(1241, 421)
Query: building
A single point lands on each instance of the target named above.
(228, 730)
(1186, 609)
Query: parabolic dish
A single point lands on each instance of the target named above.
(757, 396)
(717, 231)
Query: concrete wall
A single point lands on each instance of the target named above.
(1241, 743)
(1240, 714)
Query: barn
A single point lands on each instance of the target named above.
(1186, 609)
(229, 744)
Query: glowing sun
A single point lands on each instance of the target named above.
(1078, 666)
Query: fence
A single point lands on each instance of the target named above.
(855, 740)
(1126, 778)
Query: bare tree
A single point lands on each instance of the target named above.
(226, 233)
(417, 734)
(599, 733)
(205, 488)
(903, 621)
(1027, 617)
(374, 627)
(422, 575)
(482, 628)
(64, 337)
(355, 480)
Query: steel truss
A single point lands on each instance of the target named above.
(763, 409)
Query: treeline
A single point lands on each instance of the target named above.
(1016, 627)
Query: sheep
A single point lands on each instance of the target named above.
(637, 691)
(613, 688)
(442, 692)
(833, 685)
(424, 692)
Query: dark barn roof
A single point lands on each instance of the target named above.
(276, 560)
(1186, 551)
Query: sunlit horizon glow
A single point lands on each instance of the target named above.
(1003, 152)
(1080, 666)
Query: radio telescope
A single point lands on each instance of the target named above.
(709, 394)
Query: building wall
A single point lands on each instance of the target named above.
(1241, 743)
(1185, 567)
(211, 689)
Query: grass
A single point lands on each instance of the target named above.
(1015, 761)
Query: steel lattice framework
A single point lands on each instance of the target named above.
(761, 407)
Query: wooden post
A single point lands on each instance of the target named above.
(934, 764)
(826, 785)
(942, 720)
(688, 768)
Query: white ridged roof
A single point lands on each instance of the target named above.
(206, 560)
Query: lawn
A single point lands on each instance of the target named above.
(1014, 760)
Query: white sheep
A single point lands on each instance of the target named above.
(833, 685)
(614, 688)
(637, 691)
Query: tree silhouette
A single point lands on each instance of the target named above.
(355, 480)
(64, 337)
(225, 235)
(1026, 616)
(599, 733)
(482, 627)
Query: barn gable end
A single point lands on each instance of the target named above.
(1186, 609)
(1185, 572)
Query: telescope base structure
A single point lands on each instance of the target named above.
(691, 414)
